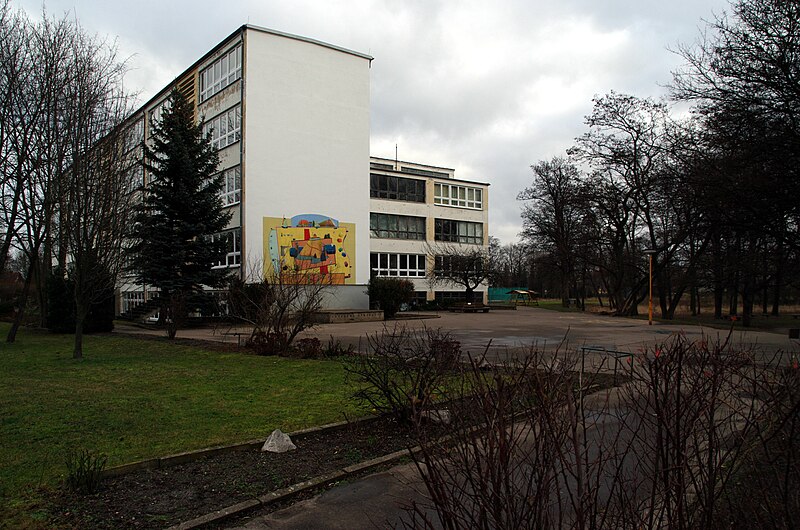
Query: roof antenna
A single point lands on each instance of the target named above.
(396, 165)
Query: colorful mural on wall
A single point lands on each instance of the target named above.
(310, 247)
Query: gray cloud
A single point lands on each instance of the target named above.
(487, 88)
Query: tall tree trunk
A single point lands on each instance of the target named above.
(692, 279)
(22, 301)
(659, 276)
(777, 288)
(747, 302)
(733, 300)
(42, 275)
(718, 271)
(80, 318)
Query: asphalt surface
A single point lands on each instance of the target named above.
(514, 331)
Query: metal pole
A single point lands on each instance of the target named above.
(650, 312)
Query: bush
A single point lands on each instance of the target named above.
(310, 348)
(404, 372)
(278, 307)
(85, 471)
(389, 294)
(267, 343)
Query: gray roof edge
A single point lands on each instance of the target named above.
(309, 40)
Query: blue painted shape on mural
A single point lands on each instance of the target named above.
(314, 220)
(295, 252)
(329, 249)
(274, 251)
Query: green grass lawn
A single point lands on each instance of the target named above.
(135, 398)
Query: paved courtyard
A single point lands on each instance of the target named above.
(510, 331)
(547, 329)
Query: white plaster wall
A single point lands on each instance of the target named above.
(306, 133)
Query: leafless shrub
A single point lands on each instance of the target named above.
(518, 457)
(277, 306)
(762, 492)
(691, 409)
(661, 451)
(404, 370)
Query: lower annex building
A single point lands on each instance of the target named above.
(291, 119)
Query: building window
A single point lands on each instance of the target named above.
(453, 297)
(231, 186)
(222, 72)
(156, 114)
(405, 265)
(458, 231)
(132, 299)
(133, 136)
(226, 128)
(389, 226)
(397, 188)
(458, 196)
(233, 242)
(134, 176)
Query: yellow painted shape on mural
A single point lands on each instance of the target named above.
(310, 259)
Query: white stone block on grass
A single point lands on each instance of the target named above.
(278, 442)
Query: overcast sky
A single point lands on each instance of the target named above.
(487, 88)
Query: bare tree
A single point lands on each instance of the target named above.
(100, 212)
(66, 98)
(40, 147)
(554, 219)
(467, 266)
(742, 75)
(16, 71)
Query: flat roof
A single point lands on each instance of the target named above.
(412, 175)
(306, 39)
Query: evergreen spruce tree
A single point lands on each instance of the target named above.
(179, 212)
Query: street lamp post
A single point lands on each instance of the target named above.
(650, 253)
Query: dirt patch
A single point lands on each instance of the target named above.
(163, 497)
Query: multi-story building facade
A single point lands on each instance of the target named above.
(290, 117)
(418, 211)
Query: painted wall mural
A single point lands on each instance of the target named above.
(310, 247)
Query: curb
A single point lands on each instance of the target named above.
(190, 456)
(290, 491)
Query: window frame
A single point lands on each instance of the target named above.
(213, 80)
(231, 196)
(155, 115)
(457, 196)
(381, 264)
(233, 257)
(393, 226)
(396, 188)
(455, 231)
(232, 120)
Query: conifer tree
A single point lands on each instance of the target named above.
(180, 211)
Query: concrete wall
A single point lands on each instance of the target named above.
(306, 149)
